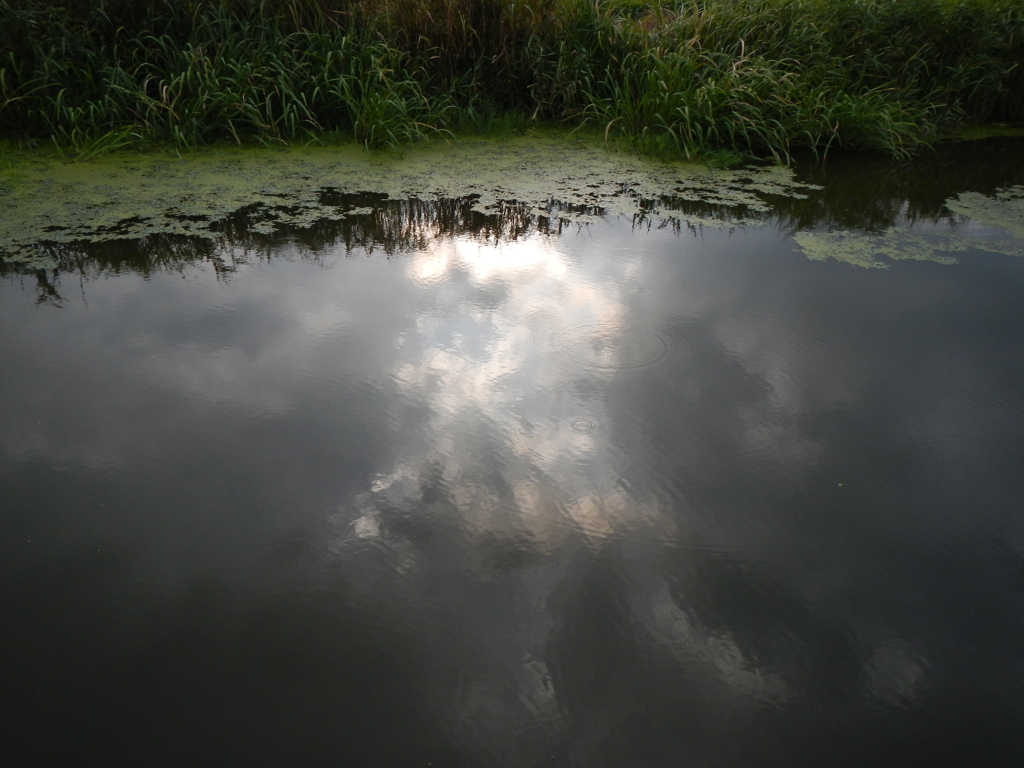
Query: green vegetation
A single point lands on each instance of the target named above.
(748, 77)
(133, 196)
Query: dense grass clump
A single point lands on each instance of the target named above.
(757, 77)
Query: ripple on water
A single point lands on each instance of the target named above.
(583, 425)
(520, 342)
(608, 346)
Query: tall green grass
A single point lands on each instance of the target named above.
(758, 77)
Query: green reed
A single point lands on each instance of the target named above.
(757, 77)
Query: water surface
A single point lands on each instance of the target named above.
(432, 485)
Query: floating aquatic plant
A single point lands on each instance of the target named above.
(865, 249)
(1004, 209)
(131, 196)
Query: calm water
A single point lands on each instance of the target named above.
(425, 487)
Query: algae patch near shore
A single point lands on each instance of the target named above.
(866, 250)
(878, 251)
(43, 201)
(1004, 209)
(46, 205)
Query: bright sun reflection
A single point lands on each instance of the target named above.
(483, 262)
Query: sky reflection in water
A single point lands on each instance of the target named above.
(611, 496)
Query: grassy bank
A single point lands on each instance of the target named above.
(757, 77)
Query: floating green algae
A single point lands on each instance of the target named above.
(873, 250)
(877, 251)
(45, 201)
(1004, 209)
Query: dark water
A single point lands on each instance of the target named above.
(426, 487)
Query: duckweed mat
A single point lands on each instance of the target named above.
(45, 201)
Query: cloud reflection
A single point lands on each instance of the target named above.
(590, 481)
(491, 368)
(498, 459)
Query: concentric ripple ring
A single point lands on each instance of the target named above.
(612, 347)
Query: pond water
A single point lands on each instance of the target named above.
(427, 483)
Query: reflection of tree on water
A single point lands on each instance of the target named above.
(864, 192)
(857, 193)
(46, 287)
(367, 222)
(372, 222)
